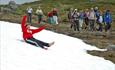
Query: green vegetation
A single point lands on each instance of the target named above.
(64, 5)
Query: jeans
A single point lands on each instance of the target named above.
(107, 27)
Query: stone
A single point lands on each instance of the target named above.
(111, 48)
(12, 5)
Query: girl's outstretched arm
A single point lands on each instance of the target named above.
(23, 23)
(38, 30)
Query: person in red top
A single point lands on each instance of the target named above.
(50, 17)
(28, 35)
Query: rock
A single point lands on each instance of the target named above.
(111, 48)
(12, 5)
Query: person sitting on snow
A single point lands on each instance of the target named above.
(28, 35)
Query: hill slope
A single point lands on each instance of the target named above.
(67, 53)
(101, 40)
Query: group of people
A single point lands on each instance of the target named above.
(28, 32)
(93, 19)
(52, 15)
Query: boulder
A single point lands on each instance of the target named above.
(12, 5)
(111, 48)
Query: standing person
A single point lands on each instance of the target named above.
(70, 14)
(29, 14)
(96, 9)
(81, 19)
(55, 16)
(76, 19)
(91, 18)
(86, 19)
(50, 17)
(107, 20)
(100, 22)
(28, 35)
(97, 14)
(39, 13)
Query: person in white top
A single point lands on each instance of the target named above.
(91, 18)
(55, 15)
(81, 19)
(29, 14)
(76, 20)
(39, 13)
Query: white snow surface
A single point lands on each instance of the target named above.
(67, 53)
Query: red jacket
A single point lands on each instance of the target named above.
(50, 14)
(27, 34)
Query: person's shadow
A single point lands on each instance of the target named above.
(20, 40)
(26, 42)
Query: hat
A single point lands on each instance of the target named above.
(92, 9)
(96, 8)
(75, 9)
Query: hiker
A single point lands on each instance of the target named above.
(39, 13)
(70, 18)
(100, 22)
(29, 14)
(91, 18)
(55, 16)
(96, 9)
(97, 14)
(28, 35)
(86, 20)
(81, 19)
(50, 17)
(76, 19)
(107, 20)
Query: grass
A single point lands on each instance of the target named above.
(64, 5)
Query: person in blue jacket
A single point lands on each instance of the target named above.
(107, 20)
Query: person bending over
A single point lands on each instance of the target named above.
(28, 35)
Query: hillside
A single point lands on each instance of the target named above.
(69, 55)
(101, 40)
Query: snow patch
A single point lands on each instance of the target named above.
(67, 53)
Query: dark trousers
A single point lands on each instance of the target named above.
(100, 27)
(71, 22)
(76, 25)
(71, 26)
(29, 17)
(107, 27)
(91, 25)
(86, 20)
(36, 42)
(39, 18)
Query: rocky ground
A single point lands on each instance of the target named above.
(98, 39)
